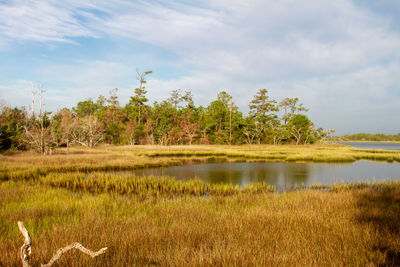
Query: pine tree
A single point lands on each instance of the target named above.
(139, 99)
(261, 109)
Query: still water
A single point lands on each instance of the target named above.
(372, 145)
(282, 175)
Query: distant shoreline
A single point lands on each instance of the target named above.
(367, 141)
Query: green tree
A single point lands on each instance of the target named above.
(301, 128)
(222, 119)
(176, 98)
(112, 117)
(262, 111)
(139, 99)
(163, 116)
(290, 106)
(12, 121)
(86, 108)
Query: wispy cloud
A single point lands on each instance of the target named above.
(41, 21)
(343, 54)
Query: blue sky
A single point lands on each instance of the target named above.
(341, 58)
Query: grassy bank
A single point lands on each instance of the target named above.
(354, 227)
(311, 153)
(28, 165)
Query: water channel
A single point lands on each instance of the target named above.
(286, 175)
(282, 175)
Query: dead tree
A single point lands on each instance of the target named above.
(33, 100)
(26, 249)
(87, 132)
(38, 134)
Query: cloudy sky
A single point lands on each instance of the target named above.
(341, 58)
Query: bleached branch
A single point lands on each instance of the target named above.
(79, 246)
(26, 249)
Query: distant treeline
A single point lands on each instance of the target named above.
(369, 137)
(175, 120)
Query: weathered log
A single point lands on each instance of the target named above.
(26, 249)
(79, 246)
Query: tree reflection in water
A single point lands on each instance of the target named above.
(282, 175)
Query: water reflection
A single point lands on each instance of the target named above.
(282, 175)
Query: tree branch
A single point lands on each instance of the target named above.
(26, 250)
(61, 251)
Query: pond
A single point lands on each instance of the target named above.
(372, 145)
(282, 175)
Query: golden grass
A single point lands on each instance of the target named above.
(286, 153)
(356, 228)
(146, 186)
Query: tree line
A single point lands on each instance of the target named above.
(368, 137)
(176, 120)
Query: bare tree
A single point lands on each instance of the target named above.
(33, 100)
(67, 125)
(88, 131)
(189, 129)
(38, 134)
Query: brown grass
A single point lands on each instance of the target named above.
(358, 227)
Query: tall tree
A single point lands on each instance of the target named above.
(139, 99)
(262, 110)
(221, 119)
(290, 106)
(175, 98)
(39, 133)
(111, 117)
(163, 115)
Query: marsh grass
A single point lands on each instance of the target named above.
(311, 153)
(354, 227)
(145, 186)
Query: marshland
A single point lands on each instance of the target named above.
(199, 133)
(80, 196)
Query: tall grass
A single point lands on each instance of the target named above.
(146, 186)
(311, 153)
(350, 228)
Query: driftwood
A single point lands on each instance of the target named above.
(26, 250)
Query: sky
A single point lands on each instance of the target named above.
(340, 58)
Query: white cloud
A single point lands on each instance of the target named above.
(41, 21)
(80, 80)
(337, 56)
(362, 100)
(21, 93)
